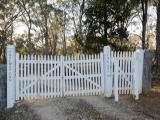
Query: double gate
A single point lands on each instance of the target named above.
(48, 76)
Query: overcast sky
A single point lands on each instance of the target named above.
(137, 27)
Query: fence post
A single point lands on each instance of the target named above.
(140, 61)
(11, 61)
(107, 71)
(147, 71)
(138, 72)
(102, 69)
(116, 73)
(62, 75)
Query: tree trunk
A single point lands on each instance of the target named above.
(158, 39)
(54, 45)
(29, 33)
(80, 19)
(144, 34)
(144, 22)
(64, 43)
(3, 54)
(29, 40)
(46, 15)
(11, 34)
(64, 36)
(46, 35)
(105, 22)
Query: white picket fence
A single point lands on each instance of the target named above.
(39, 76)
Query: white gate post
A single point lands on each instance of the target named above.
(138, 72)
(11, 61)
(62, 87)
(116, 73)
(107, 71)
(140, 60)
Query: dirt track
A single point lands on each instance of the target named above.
(86, 108)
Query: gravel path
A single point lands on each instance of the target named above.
(86, 108)
(120, 110)
(67, 109)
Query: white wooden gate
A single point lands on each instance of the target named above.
(48, 76)
(125, 70)
(39, 76)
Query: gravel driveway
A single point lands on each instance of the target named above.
(86, 108)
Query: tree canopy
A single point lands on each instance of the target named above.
(106, 24)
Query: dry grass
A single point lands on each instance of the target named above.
(18, 112)
(148, 104)
(151, 101)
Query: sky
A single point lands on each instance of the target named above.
(20, 28)
(137, 27)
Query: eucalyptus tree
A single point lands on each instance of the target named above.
(54, 30)
(45, 9)
(141, 7)
(25, 7)
(144, 4)
(8, 14)
(64, 11)
(78, 12)
(78, 15)
(48, 21)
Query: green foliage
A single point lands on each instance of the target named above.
(106, 21)
(22, 45)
